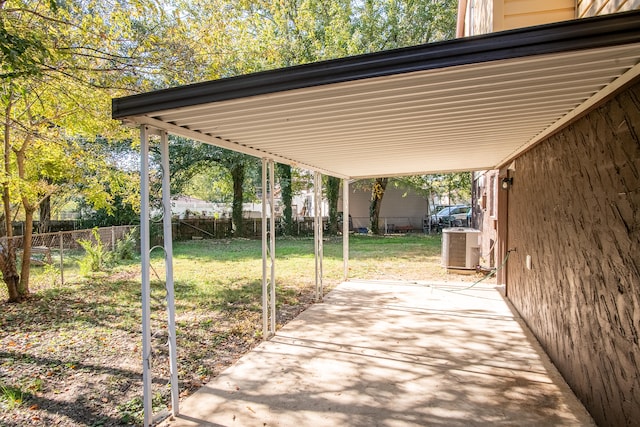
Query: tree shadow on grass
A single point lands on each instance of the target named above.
(110, 304)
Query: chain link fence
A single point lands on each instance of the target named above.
(61, 249)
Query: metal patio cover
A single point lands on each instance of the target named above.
(465, 104)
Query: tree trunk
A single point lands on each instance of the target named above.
(237, 174)
(377, 193)
(10, 270)
(23, 285)
(45, 215)
(8, 264)
(333, 193)
(29, 209)
(287, 197)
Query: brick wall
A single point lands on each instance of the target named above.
(484, 195)
(574, 207)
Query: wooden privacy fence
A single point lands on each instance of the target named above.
(211, 228)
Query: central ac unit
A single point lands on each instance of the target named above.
(460, 248)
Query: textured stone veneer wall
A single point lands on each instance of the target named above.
(575, 209)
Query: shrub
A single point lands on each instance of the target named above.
(125, 248)
(94, 254)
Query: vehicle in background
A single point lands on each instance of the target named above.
(452, 216)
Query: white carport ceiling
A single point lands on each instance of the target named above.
(465, 104)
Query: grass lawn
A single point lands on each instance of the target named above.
(71, 355)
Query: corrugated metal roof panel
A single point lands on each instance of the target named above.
(426, 119)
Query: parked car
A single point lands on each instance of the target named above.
(456, 216)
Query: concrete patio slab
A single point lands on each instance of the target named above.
(393, 354)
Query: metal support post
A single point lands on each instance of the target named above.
(168, 254)
(265, 309)
(317, 233)
(345, 227)
(268, 250)
(145, 279)
(272, 246)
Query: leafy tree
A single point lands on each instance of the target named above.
(212, 184)
(189, 158)
(455, 187)
(332, 188)
(286, 187)
(390, 24)
(377, 192)
(61, 62)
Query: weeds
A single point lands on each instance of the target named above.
(11, 397)
(98, 258)
(94, 256)
(34, 385)
(125, 248)
(132, 411)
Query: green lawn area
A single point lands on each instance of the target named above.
(71, 355)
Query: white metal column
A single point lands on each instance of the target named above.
(345, 227)
(272, 244)
(145, 279)
(268, 250)
(317, 232)
(168, 254)
(265, 288)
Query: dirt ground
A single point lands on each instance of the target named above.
(64, 362)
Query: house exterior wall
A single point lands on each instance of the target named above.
(510, 14)
(401, 207)
(574, 208)
(588, 8)
(485, 214)
(486, 16)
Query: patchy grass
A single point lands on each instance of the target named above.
(11, 397)
(71, 354)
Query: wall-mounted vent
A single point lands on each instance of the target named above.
(460, 248)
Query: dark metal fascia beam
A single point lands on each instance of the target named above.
(579, 34)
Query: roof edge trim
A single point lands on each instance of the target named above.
(585, 33)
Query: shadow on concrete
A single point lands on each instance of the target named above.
(390, 354)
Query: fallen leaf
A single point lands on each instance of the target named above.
(34, 407)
